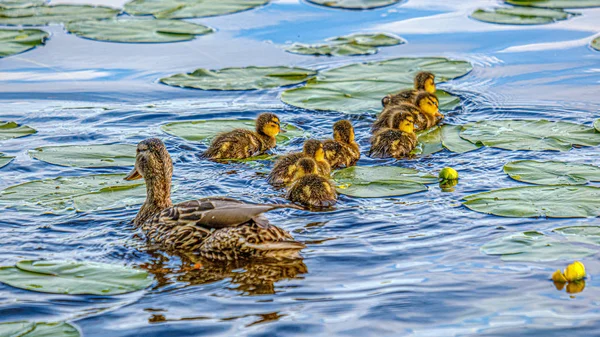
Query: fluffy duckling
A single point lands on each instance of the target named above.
(309, 188)
(395, 142)
(242, 143)
(214, 228)
(285, 167)
(424, 81)
(426, 112)
(342, 150)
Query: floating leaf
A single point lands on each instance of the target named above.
(520, 15)
(138, 30)
(534, 246)
(21, 3)
(583, 234)
(556, 3)
(597, 125)
(17, 41)
(437, 138)
(354, 4)
(38, 329)
(84, 193)
(383, 181)
(247, 78)
(179, 9)
(204, 130)
(10, 130)
(5, 160)
(43, 15)
(74, 278)
(561, 201)
(453, 142)
(359, 88)
(356, 44)
(596, 45)
(107, 155)
(534, 135)
(552, 172)
(429, 141)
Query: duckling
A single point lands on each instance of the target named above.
(242, 143)
(342, 150)
(426, 112)
(395, 142)
(283, 171)
(309, 188)
(213, 228)
(424, 81)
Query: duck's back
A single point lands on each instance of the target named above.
(235, 144)
(340, 154)
(313, 191)
(392, 143)
(284, 169)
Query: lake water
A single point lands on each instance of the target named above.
(406, 266)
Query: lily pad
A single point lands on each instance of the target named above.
(358, 88)
(533, 135)
(82, 194)
(138, 30)
(179, 9)
(74, 278)
(453, 142)
(17, 41)
(552, 172)
(534, 246)
(10, 130)
(355, 4)
(5, 160)
(428, 142)
(356, 44)
(556, 3)
(383, 181)
(21, 3)
(38, 329)
(596, 45)
(440, 137)
(560, 201)
(248, 78)
(43, 15)
(205, 130)
(583, 234)
(107, 155)
(520, 15)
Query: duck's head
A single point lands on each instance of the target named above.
(314, 149)
(343, 131)
(428, 103)
(425, 81)
(152, 161)
(404, 121)
(304, 167)
(268, 124)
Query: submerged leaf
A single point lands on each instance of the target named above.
(21, 3)
(355, 4)
(520, 15)
(583, 234)
(383, 181)
(556, 3)
(180, 9)
(38, 329)
(17, 41)
(107, 155)
(356, 44)
(43, 15)
(552, 172)
(4, 160)
(10, 130)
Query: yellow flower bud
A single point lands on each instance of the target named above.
(448, 173)
(575, 271)
(558, 277)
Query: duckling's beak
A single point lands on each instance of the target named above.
(133, 175)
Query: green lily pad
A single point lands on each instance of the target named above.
(428, 142)
(38, 329)
(74, 278)
(583, 234)
(10, 130)
(179, 9)
(440, 137)
(107, 155)
(138, 30)
(17, 41)
(359, 88)
(535, 247)
(248, 78)
(520, 15)
(596, 45)
(21, 3)
(560, 201)
(556, 3)
(597, 125)
(383, 181)
(356, 44)
(354, 4)
(205, 130)
(552, 172)
(82, 194)
(533, 135)
(453, 142)
(43, 15)
(5, 160)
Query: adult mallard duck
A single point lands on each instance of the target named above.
(309, 188)
(426, 112)
(424, 81)
(285, 167)
(342, 150)
(242, 143)
(213, 228)
(396, 142)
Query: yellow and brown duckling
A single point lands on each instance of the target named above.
(213, 228)
(396, 142)
(424, 81)
(426, 112)
(285, 167)
(342, 150)
(242, 143)
(309, 188)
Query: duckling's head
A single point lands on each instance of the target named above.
(428, 103)
(343, 131)
(304, 167)
(404, 121)
(314, 149)
(425, 81)
(268, 124)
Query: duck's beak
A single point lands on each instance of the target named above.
(133, 175)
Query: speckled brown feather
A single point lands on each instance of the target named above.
(392, 143)
(284, 169)
(342, 151)
(239, 144)
(423, 121)
(313, 191)
(410, 95)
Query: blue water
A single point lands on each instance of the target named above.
(407, 266)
